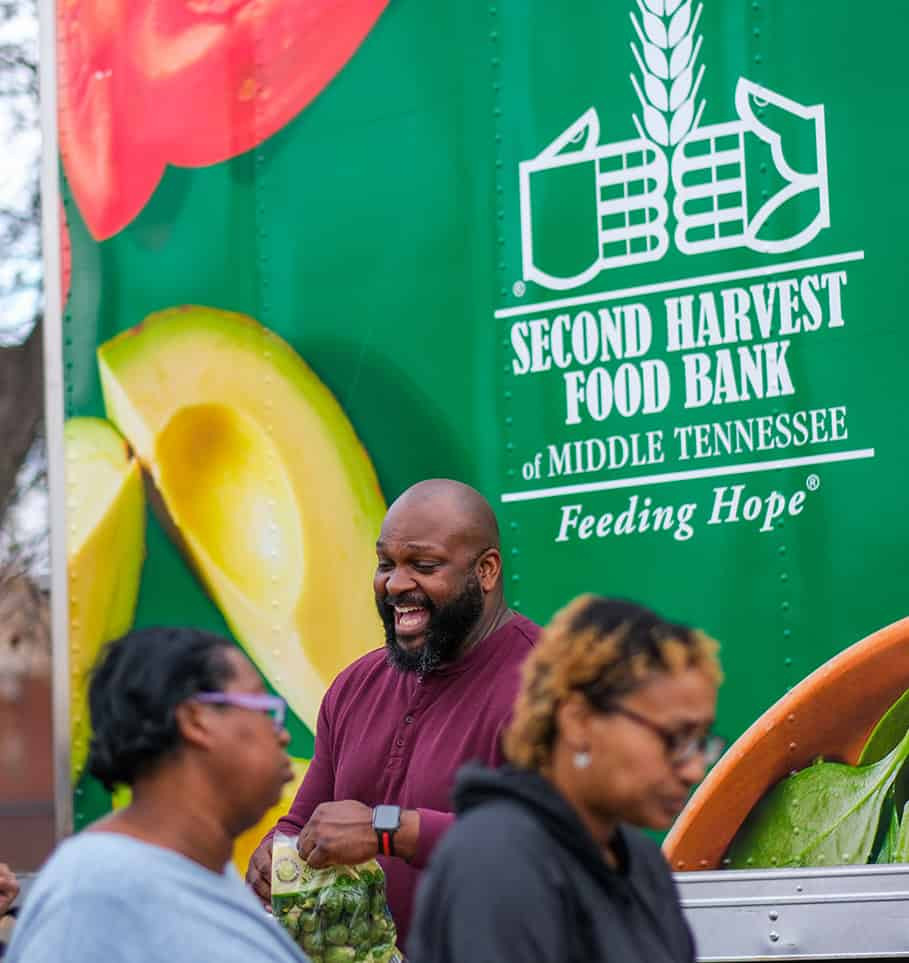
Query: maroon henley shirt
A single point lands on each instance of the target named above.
(386, 736)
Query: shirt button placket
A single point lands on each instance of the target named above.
(399, 746)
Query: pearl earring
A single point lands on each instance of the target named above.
(582, 759)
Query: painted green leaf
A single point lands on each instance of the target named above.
(890, 729)
(827, 814)
(900, 851)
(889, 842)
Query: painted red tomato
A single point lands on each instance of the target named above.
(145, 83)
(109, 163)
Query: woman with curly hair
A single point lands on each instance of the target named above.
(181, 717)
(610, 731)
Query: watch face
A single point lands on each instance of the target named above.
(386, 818)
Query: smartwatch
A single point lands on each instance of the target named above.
(386, 821)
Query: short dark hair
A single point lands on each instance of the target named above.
(134, 690)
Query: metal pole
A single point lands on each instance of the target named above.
(54, 414)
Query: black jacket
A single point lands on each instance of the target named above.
(518, 879)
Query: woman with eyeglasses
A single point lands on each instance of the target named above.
(181, 717)
(610, 732)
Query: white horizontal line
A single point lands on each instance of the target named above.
(691, 475)
(682, 283)
(713, 189)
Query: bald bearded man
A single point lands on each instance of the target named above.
(396, 725)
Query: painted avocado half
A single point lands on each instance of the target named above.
(262, 481)
(105, 548)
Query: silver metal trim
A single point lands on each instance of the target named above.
(734, 901)
(54, 400)
(699, 880)
(838, 912)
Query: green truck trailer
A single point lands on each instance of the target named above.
(633, 268)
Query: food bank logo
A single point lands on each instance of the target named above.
(703, 168)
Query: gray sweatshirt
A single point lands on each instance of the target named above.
(108, 897)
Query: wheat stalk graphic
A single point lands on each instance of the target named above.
(667, 59)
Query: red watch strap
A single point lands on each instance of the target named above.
(386, 842)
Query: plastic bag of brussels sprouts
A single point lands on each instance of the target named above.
(337, 914)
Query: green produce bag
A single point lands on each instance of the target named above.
(336, 915)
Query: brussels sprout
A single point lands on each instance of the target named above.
(291, 920)
(340, 954)
(331, 903)
(338, 934)
(282, 902)
(354, 902)
(339, 915)
(379, 931)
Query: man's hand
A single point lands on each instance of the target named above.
(339, 833)
(258, 875)
(9, 888)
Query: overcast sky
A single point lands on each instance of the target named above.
(20, 137)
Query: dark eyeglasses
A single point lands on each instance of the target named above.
(680, 747)
(274, 706)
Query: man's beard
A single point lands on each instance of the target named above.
(448, 628)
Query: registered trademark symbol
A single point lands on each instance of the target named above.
(813, 483)
(519, 288)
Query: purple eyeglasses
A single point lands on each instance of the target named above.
(275, 706)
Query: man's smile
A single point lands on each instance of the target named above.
(411, 619)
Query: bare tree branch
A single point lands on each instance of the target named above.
(23, 516)
(21, 406)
